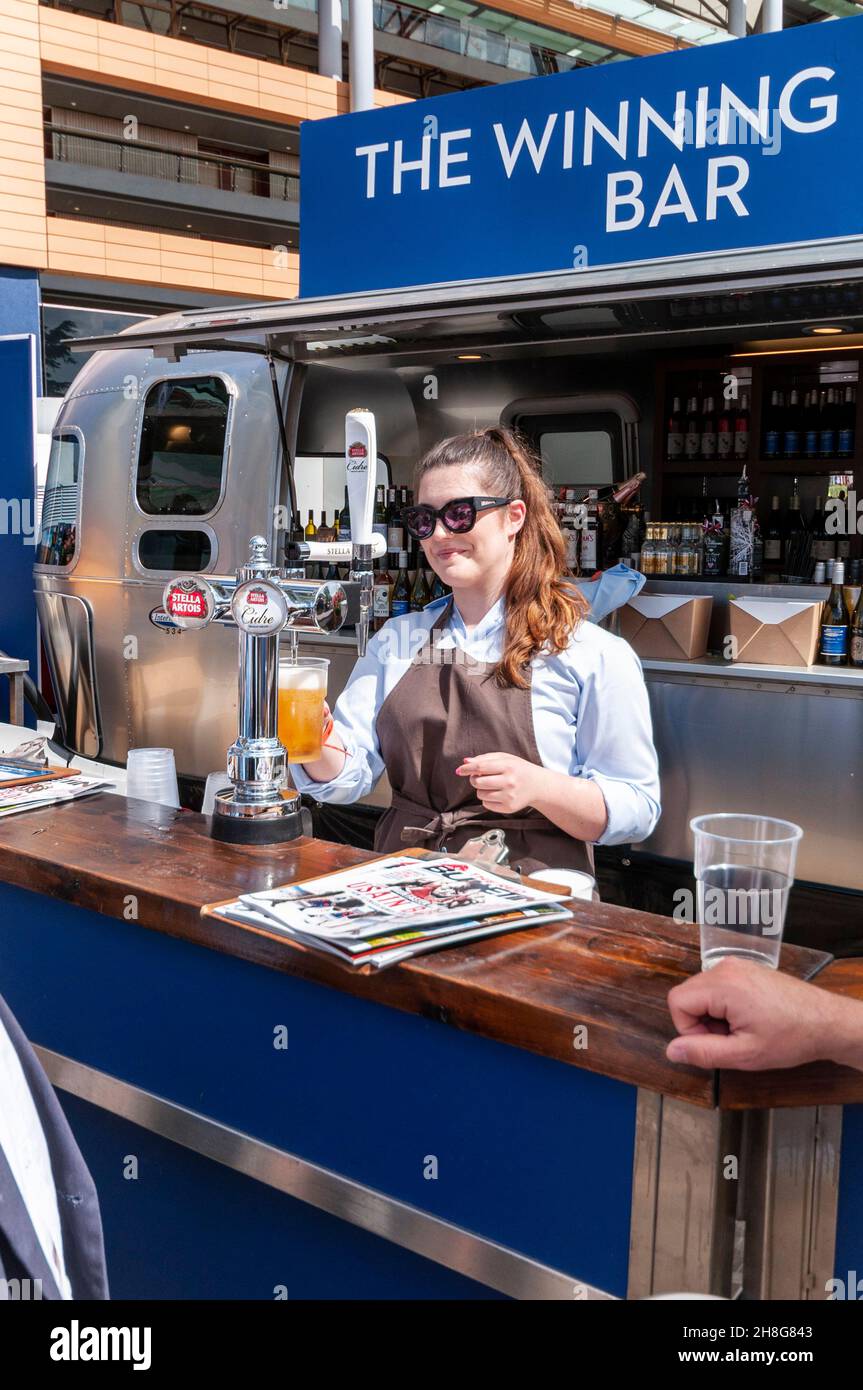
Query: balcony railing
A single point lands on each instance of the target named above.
(239, 33)
(152, 162)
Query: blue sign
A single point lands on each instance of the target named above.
(750, 143)
(17, 507)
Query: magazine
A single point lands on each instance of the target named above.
(34, 796)
(362, 900)
(376, 914)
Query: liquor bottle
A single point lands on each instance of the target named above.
(773, 540)
(855, 635)
(773, 426)
(439, 589)
(332, 571)
(345, 520)
(714, 557)
(674, 433)
(742, 535)
(420, 593)
(833, 644)
(379, 518)
(827, 427)
(708, 432)
(810, 425)
(311, 529)
(589, 558)
(845, 442)
(725, 435)
(648, 550)
(381, 592)
(395, 526)
(741, 429)
(400, 600)
(791, 427)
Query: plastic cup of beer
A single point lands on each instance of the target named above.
(744, 870)
(302, 692)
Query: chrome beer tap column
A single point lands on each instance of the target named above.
(257, 808)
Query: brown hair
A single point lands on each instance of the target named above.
(542, 606)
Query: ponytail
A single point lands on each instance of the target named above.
(543, 606)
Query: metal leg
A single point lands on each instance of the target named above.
(791, 1186)
(16, 698)
(684, 1198)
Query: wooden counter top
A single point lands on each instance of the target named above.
(609, 969)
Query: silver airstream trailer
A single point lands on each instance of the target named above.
(184, 436)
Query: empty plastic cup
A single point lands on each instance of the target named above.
(151, 775)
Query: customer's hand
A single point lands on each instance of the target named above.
(744, 1016)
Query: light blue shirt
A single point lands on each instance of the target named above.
(591, 713)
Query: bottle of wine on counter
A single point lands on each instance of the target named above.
(401, 596)
(379, 517)
(742, 537)
(714, 545)
(855, 635)
(795, 516)
(833, 645)
(741, 429)
(674, 433)
(311, 529)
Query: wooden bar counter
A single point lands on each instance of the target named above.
(497, 1120)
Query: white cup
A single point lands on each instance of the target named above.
(580, 885)
(216, 782)
(151, 775)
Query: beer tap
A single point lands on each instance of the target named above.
(365, 546)
(262, 603)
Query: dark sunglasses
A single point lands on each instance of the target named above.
(457, 516)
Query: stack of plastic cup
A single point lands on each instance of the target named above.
(151, 775)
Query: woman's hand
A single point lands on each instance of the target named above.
(503, 782)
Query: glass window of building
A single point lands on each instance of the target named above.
(61, 321)
(182, 452)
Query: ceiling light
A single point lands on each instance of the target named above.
(825, 330)
(471, 356)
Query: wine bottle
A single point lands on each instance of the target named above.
(855, 635)
(833, 644)
(400, 601)
(674, 433)
(420, 593)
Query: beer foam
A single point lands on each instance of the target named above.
(301, 678)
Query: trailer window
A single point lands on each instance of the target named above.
(59, 530)
(578, 456)
(182, 453)
(174, 550)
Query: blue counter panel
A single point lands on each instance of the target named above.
(222, 1235)
(529, 1152)
(849, 1233)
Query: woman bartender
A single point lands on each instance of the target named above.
(500, 706)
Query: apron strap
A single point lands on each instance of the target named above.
(442, 824)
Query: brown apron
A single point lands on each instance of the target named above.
(446, 708)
